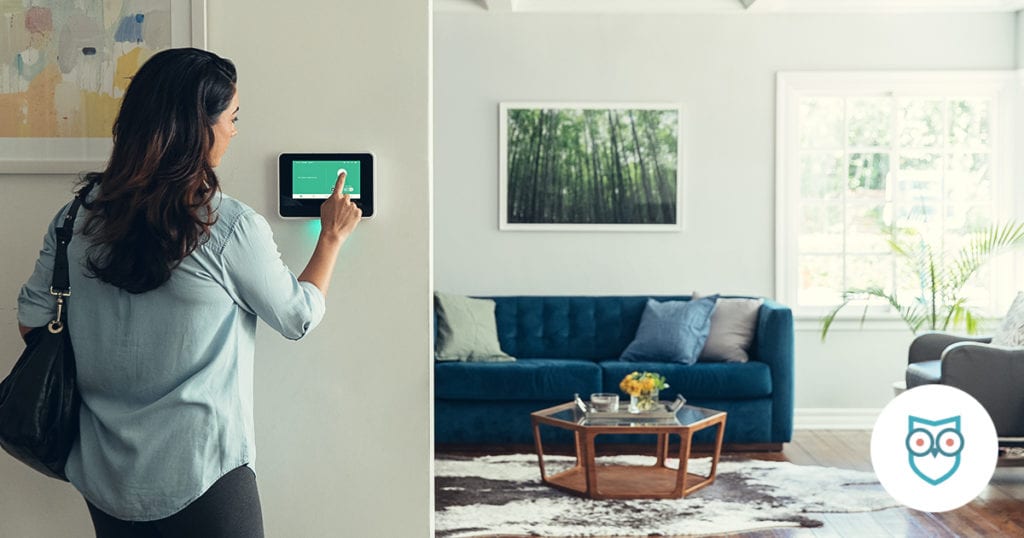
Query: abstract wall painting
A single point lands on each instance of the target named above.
(64, 67)
(590, 167)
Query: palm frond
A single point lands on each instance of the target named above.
(941, 278)
(912, 314)
(920, 255)
(982, 247)
(955, 314)
(972, 322)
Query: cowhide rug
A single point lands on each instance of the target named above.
(503, 495)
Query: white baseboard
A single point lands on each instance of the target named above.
(830, 418)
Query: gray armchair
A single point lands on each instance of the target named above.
(993, 375)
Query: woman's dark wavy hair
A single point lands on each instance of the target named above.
(153, 207)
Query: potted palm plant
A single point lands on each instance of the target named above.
(939, 304)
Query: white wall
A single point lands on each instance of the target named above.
(342, 417)
(1019, 163)
(722, 69)
(1020, 40)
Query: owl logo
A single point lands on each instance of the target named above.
(934, 448)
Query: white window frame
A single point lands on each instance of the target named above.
(1001, 86)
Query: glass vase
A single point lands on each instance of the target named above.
(643, 402)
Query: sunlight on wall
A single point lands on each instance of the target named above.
(313, 228)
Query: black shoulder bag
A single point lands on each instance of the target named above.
(39, 400)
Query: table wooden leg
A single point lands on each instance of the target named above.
(684, 460)
(540, 450)
(662, 449)
(589, 464)
(579, 449)
(718, 449)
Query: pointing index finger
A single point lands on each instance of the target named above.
(339, 187)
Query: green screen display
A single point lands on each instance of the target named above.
(316, 179)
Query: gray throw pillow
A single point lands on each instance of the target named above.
(671, 331)
(1011, 333)
(733, 325)
(466, 330)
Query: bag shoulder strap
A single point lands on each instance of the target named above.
(60, 285)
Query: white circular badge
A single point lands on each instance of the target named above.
(934, 448)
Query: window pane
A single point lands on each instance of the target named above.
(821, 122)
(964, 219)
(821, 227)
(865, 230)
(869, 271)
(952, 243)
(921, 123)
(978, 291)
(969, 123)
(820, 175)
(868, 122)
(968, 179)
(821, 280)
(867, 173)
(918, 196)
(911, 285)
(917, 213)
(926, 162)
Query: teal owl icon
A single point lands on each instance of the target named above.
(934, 448)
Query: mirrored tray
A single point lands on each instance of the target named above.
(666, 410)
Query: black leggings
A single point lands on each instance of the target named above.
(229, 509)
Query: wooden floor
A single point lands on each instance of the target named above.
(997, 512)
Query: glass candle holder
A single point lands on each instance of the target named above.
(604, 401)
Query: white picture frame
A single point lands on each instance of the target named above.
(67, 155)
(650, 198)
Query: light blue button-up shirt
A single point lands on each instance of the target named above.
(166, 376)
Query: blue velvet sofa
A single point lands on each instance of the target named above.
(571, 344)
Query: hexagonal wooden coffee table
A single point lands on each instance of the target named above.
(590, 479)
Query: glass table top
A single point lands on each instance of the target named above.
(684, 416)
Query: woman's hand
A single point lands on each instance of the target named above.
(339, 215)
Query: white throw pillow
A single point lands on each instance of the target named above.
(1012, 332)
(733, 326)
(467, 330)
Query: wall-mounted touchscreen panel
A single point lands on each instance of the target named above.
(307, 179)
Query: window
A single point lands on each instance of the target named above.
(862, 154)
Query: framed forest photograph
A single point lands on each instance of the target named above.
(590, 167)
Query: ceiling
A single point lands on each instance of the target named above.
(728, 6)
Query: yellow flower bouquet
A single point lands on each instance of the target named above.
(643, 388)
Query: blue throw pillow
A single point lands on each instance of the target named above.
(671, 331)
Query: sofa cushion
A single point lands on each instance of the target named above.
(708, 380)
(566, 327)
(671, 331)
(923, 373)
(529, 379)
(733, 324)
(466, 330)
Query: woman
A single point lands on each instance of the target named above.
(168, 276)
